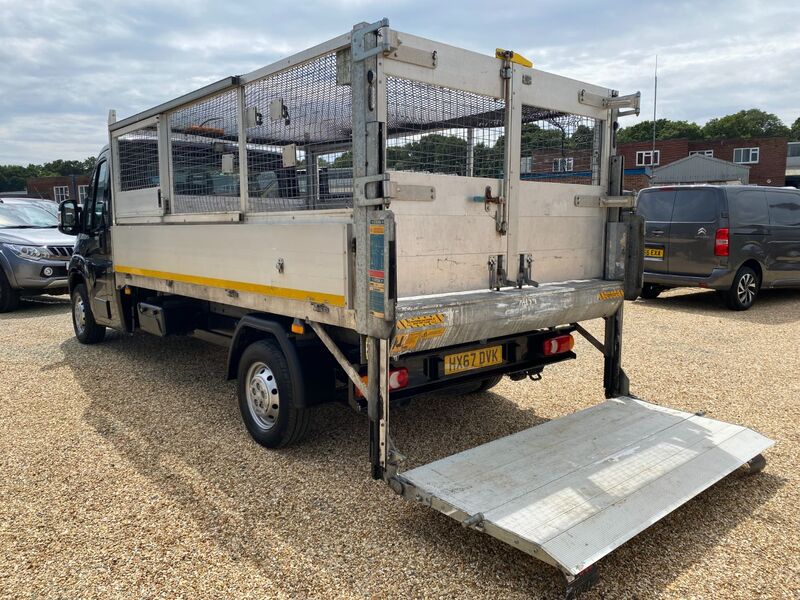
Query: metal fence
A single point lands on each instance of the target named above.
(138, 159)
(205, 155)
(558, 147)
(434, 129)
(299, 139)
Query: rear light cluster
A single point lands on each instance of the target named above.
(558, 345)
(398, 379)
(721, 247)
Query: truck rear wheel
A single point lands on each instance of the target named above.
(86, 329)
(266, 397)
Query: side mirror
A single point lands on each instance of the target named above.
(69, 218)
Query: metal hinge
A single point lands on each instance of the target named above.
(630, 101)
(384, 42)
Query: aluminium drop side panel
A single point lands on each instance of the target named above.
(444, 245)
(236, 263)
(572, 490)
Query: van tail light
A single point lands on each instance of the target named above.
(558, 345)
(721, 247)
(398, 379)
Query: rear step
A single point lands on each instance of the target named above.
(570, 491)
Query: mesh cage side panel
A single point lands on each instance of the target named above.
(205, 156)
(559, 148)
(138, 159)
(299, 150)
(434, 129)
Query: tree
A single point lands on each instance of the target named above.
(746, 124)
(795, 134)
(13, 178)
(666, 129)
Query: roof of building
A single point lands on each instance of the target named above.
(698, 168)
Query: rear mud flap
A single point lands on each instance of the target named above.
(572, 490)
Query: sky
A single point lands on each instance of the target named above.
(64, 64)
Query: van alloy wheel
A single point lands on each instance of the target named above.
(747, 288)
(263, 398)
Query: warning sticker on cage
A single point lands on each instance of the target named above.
(377, 269)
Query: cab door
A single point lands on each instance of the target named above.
(96, 246)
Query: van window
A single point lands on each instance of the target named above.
(656, 205)
(784, 208)
(748, 208)
(695, 206)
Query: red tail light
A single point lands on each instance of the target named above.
(398, 379)
(558, 345)
(721, 247)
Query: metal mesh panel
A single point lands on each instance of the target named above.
(205, 156)
(434, 129)
(299, 147)
(138, 159)
(558, 147)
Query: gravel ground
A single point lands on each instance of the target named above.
(126, 471)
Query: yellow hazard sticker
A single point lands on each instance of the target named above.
(406, 342)
(610, 295)
(420, 321)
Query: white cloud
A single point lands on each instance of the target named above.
(63, 64)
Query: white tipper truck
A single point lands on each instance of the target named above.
(383, 215)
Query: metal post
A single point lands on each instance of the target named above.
(241, 120)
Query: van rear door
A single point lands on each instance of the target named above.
(695, 220)
(656, 205)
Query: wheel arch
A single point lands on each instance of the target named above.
(252, 328)
(757, 267)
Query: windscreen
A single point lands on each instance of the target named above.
(21, 215)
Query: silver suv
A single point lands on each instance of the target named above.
(33, 253)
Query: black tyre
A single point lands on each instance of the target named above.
(86, 328)
(489, 383)
(266, 397)
(9, 297)
(743, 290)
(650, 291)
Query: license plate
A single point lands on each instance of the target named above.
(654, 252)
(473, 359)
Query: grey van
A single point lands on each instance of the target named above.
(734, 239)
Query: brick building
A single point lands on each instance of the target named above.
(58, 188)
(766, 157)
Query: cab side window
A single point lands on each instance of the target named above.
(98, 198)
(784, 208)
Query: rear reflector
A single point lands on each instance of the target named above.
(558, 345)
(721, 247)
(398, 379)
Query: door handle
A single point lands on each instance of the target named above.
(657, 232)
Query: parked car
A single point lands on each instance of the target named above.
(734, 239)
(33, 253)
(49, 205)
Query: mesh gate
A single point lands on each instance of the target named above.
(205, 156)
(558, 147)
(434, 129)
(138, 159)
(299, 153)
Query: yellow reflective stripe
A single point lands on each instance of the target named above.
(239, 286)
(610, 294)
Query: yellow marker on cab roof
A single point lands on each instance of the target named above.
(513, 57)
